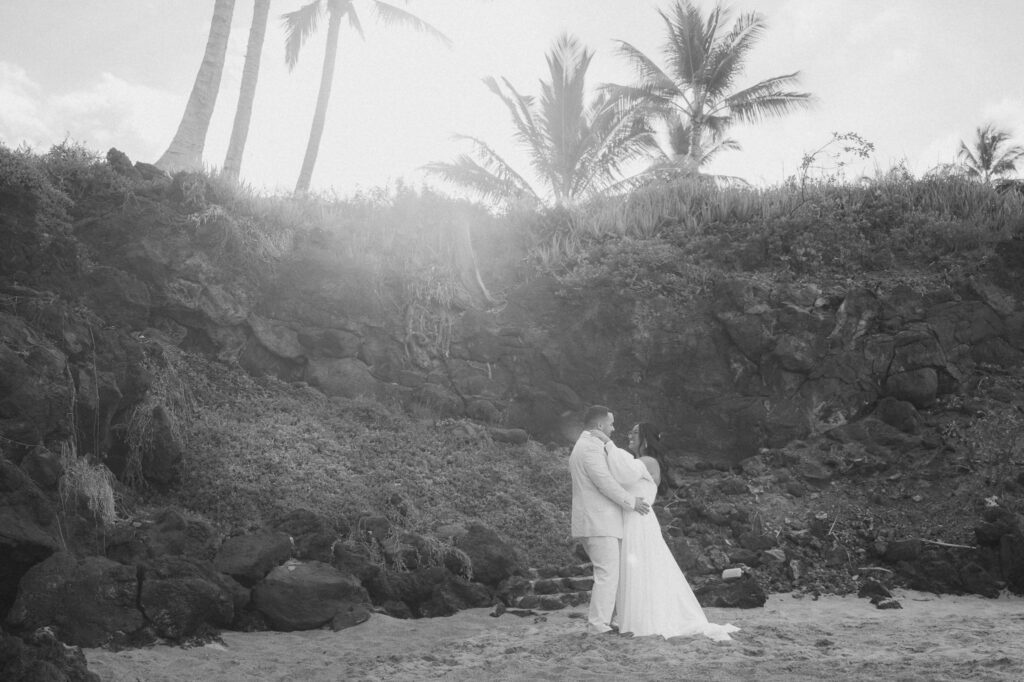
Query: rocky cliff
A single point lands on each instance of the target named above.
(814, 425)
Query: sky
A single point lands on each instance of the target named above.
(913, 77)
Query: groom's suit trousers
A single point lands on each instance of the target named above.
(603, 551)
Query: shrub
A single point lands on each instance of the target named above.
(26, 190)
(88, 486)
(261, 447)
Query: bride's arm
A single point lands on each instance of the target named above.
(624, 468)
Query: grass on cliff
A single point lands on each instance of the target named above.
(260, 447)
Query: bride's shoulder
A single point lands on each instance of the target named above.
(652, 466)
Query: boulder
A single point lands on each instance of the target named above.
(744, 593)
(86, 601)
(512, 589)
(428, 592)
(877, 436)
(899, 414)
(121, 164)
(333, 343)
(43, 467)
(307, 595)
(374, 527)
(513, 436)
(348, 617)
(483, 411)
(977, 580)
(441, 400)
(34, 393)
(932, 572)
(903, 550)
(122, 298)
(454, 594)
(917, 386)
(161, 457)
(41, 657)
(248, 558)
(180, 596)
(996, 522)
(548, 586)
(345, 377)
(28, 529)
(757, 541)
(872, 589)
(309, 533)
(172, 533)
(221, 305)
(1011, 561)
(492, 558)
(277, 337)
(354, 558)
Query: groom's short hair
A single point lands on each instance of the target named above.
(594, 414)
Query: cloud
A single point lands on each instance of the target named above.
(110, 112)
(1007, 114)
(20, 119)
(939, 150)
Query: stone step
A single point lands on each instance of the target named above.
(552, 602)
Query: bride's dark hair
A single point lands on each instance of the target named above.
(649, 436)
(649, 444)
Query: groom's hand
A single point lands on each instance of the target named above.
(641, 507)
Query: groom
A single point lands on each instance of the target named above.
(598, 503)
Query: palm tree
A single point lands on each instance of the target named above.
(186, 149)
(302, 23)
(694, 95)
(247, 91)
(990, 157)
(576, 149)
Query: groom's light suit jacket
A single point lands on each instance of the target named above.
(597, 498)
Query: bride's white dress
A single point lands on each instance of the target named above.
(653, 597)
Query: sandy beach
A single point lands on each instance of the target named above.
(933, 638)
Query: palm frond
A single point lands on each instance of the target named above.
(487, 175)
(689, 39)
(528, 128)
(561, 114)
(390, 15)
(651, 75)
(353, 20)
(728, 57)
(766, 99)
(615, 138)
(298, 26)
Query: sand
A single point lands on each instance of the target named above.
(933, 638)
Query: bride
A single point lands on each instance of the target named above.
(653, 596)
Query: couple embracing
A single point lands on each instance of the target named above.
(638, 587)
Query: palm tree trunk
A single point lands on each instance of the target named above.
(186, 150)
(464, 257)
(247, 91)
(696, 151)
(323, 98)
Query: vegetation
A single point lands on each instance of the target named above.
(578, 148)
(260, 447)
(302, 23)
(256, 447)
(695, 94)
